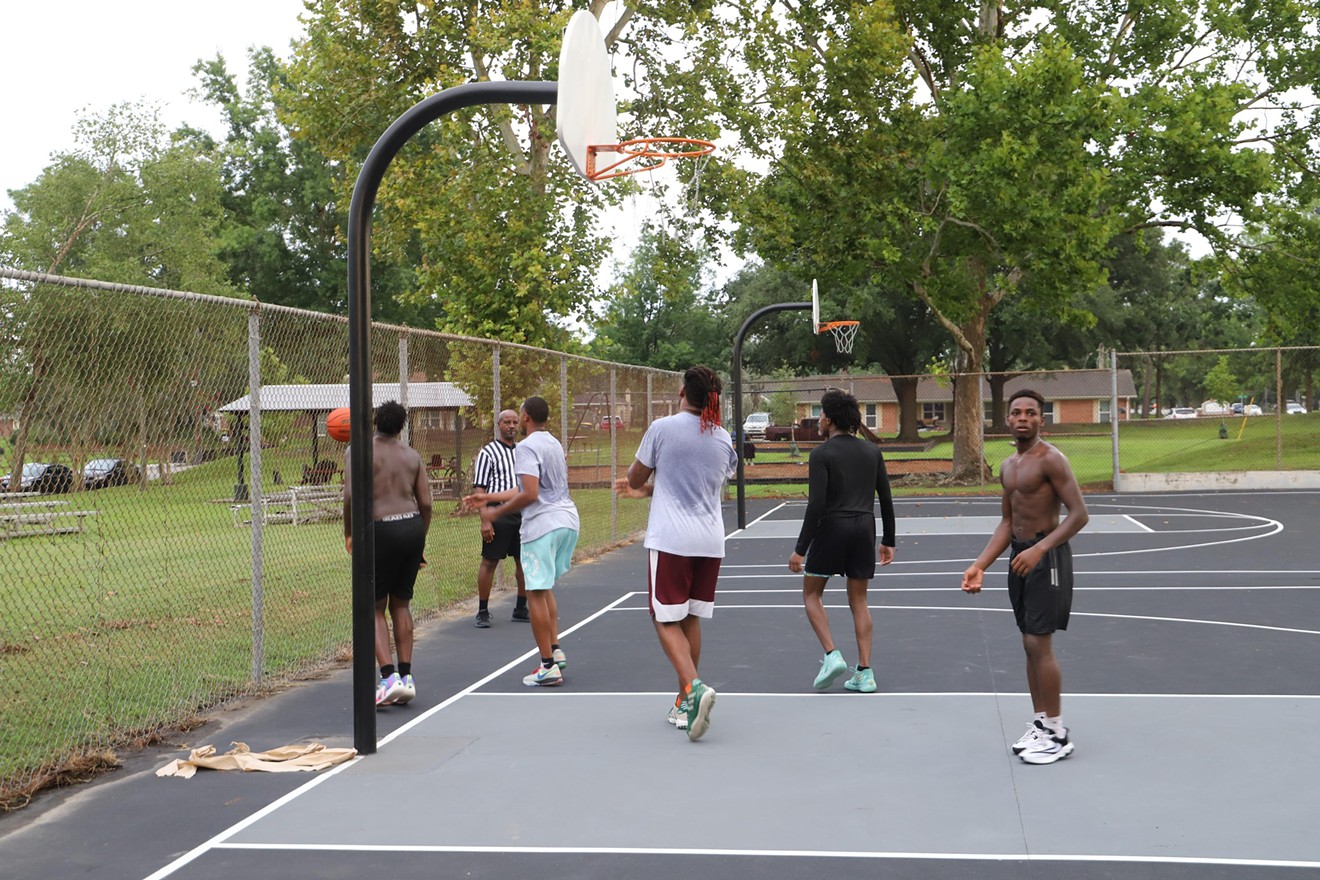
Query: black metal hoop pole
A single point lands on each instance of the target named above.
(737, 395)
(359, 360)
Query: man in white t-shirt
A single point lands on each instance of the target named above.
(691, 457)
(549, 532)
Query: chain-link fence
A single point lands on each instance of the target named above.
(171, 539)
(1149, 421)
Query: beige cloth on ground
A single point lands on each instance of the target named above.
(285, 759)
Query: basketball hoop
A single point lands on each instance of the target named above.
(844, 332)
(652, 151)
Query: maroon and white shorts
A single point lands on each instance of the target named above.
(681, 586)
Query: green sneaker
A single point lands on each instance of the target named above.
(700, 701)
(830, 668)
(862, 681)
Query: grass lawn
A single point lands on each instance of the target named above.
(145, 618)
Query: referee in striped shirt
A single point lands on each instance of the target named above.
(492, 475)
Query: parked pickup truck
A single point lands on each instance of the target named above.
(806, 429)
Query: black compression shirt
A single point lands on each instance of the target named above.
(845, 474)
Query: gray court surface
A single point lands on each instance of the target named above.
(1190, 687)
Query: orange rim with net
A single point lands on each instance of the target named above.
(844, 332)
(658, 150)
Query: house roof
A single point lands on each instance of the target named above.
(318, 398)
(1053, 385)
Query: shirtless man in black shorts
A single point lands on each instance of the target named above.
(401, 515)
(845, 475)
(1036, 480)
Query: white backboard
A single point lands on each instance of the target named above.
(586, 112)
(815, 308)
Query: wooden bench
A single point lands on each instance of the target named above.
(40, 518)
(298, 505)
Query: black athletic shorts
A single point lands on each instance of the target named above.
(843, 545)
(507, 541)
(1042, 600)
(399, 547)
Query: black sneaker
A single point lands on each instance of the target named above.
(483, 620)
(521, 614)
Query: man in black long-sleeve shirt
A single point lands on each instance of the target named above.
(845, 474)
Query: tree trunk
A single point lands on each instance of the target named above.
(905, 389)
(998, 405)
(968, 434)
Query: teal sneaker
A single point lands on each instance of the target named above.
(830, 668)
(700, 701)
(862, 681)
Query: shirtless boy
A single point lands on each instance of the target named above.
(1036, 479)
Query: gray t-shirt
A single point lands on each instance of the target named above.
(540, 455)
(691, 467)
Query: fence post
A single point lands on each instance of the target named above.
(403, 386)
(1113, 410)
(1278, 409)
(614, 453)
(258, 507)
(563, 400)
(496, 397)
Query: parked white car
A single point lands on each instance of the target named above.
(1293, 408)
(755, 424)
(1213, 408)
(1181, 412)
(1252, 409)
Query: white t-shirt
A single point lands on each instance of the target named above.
(540, 455)
(691, 467)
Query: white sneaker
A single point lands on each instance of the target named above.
(1035, 733)
(389, 690)
(560, 659)
(1049, 749)
(678, 716)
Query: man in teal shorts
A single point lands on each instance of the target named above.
(549, 532)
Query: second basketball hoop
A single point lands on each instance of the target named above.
(844, 332)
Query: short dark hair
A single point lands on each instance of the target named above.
(537, 409)
(1027, 392)
(841, 408)
(390, 418)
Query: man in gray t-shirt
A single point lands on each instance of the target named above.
(691, 457)
(549, 532)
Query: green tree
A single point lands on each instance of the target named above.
(504, 237)
(655, 313)
(1220, 383)
(960, 152)
(93, 368)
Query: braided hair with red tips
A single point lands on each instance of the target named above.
(701, 389)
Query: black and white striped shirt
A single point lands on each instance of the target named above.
(493, 468)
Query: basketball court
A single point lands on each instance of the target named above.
(1189, 677)
(1190, 687)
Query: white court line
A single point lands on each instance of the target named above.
(1273, 525)
(218, 841)
(881, 572)
(957, 608)
(773, 853)
(1141, 589)
(840, 695)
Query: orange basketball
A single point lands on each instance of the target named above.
(336, 424)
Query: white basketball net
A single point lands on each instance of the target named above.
(844, 332)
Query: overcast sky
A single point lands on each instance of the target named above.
(71, 57)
